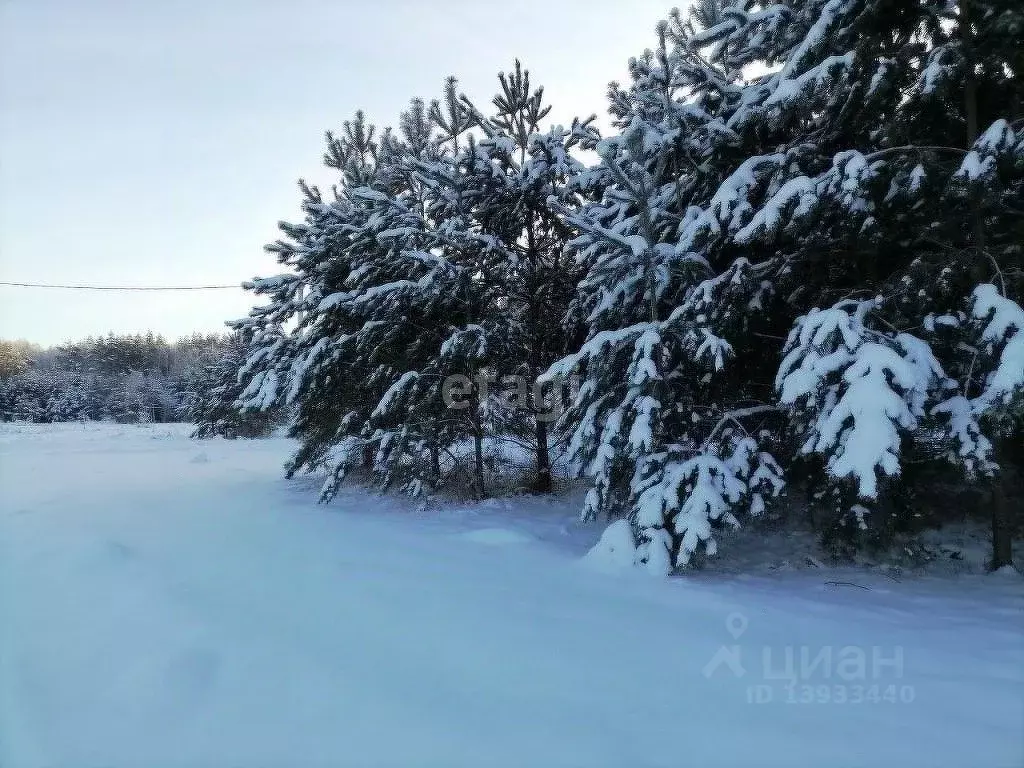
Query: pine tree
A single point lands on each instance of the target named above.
(802, 242)
(659, 424)
(213, 405)
(788, 191)
(357, 265)
(499, 220)
(868, 165)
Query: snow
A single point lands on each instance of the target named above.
(788, 90)
(799, 190)
(595, 347)
(937, 70)
(496, 537)
(997, 139)
(616, 550)
(156, 611)
(729, 200)
(394, 392)
(917, 177)
(884, 388)
(1007, 570)
(973, 167)
(1004, 325)
(269, 283)
(831, 14)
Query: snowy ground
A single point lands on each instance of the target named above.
(171, 603)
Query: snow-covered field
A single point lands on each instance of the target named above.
(165, 602)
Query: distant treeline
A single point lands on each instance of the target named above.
(125, 378)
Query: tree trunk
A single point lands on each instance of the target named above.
(542, 483)
(979, 266)
(1002, 536)
(1002, 531)
(435, 455)
(435, 463)
(970, 83)
(478, 449)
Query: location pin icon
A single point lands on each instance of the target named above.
(736, 624)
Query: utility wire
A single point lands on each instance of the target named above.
(121, 287)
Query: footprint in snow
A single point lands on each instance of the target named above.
(200, 458)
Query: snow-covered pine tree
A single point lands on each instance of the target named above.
(408, 293)
(351, 335)
(466, 271)
(127, 402)
(26, 396)
(68, 398)
(15, 358)
(772, 162)
(212, 404)
(291, 363)
(496, 217)
(669, 437)
(782, 243)
(288, 335)
(874, 218)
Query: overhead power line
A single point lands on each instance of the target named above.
(80, 287)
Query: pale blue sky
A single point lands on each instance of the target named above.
(158, 142)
